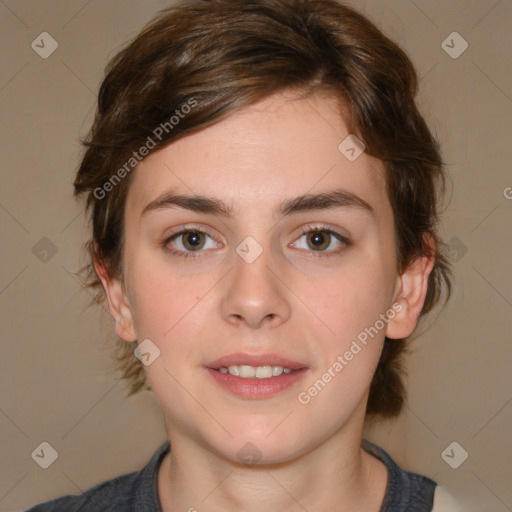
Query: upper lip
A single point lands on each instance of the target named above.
(255, 360)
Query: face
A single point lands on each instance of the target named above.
(255, 279)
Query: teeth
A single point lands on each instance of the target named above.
(244, 371)
(233, 370)
(254, 372)
(277, 370)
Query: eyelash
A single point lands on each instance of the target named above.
(307, 229)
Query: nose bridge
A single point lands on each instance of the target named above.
(254, 293)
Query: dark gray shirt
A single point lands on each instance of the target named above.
(137, 492)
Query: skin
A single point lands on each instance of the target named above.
(286, 302)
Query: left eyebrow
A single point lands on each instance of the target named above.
(325, 200)
(305, 203)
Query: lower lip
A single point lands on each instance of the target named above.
(257, 388)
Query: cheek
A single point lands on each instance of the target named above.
(163, 302)
(349, 300)
(158, 296)
(350, 306)
(175, 311)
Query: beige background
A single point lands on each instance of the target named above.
(56, 380)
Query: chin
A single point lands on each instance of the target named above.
(256, 448)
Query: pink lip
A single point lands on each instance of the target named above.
(256, 388)
(255, 360)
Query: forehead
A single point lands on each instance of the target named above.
(279, 148)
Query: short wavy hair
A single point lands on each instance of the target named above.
(226, 55)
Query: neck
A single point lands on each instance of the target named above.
(337, 475)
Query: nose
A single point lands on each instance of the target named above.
(255, 295)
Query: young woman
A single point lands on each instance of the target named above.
(264, 198)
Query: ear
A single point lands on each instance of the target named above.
(117, 303)
(410, 292)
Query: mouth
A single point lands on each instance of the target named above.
(256, 376)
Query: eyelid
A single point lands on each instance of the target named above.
(322, 226)
(189, 227)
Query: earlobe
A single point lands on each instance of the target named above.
(412, 288)
(117, 303)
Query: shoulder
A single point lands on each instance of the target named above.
(406, 491)
(126, 493)
(109, 495)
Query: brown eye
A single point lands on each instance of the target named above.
(189, 242)
(321, 241)
(193, 240)
(318, 240)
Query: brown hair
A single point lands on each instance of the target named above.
(224, 55)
